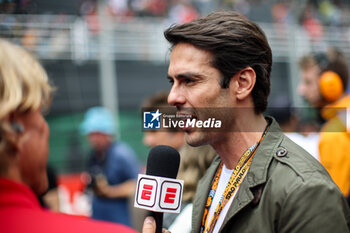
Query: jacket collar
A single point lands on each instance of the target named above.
(258, 171)
(257, 175)
(17, 194)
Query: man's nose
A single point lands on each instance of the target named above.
(176, 96)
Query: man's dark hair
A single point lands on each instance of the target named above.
(338, 63)
(235, 43)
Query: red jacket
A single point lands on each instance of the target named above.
(20, 212)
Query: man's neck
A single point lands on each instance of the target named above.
(248, 132)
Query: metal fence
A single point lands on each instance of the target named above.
(77, 38)
(83, 39)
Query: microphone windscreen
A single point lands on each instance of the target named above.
(163, 161)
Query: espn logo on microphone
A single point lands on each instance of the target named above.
(158, 194)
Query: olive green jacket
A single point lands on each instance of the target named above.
(285, 191)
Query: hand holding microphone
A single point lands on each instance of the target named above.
(149, 226)
(158, 190)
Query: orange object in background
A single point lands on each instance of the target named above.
(73, 199)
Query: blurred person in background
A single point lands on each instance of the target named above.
(324, 78)
(193, 164)
(172, 137)
(182, 11)
(24, 93)
(113, 167)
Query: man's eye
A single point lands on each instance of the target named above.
(188, 80)
(171, 81)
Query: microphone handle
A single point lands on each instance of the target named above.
(158, 216)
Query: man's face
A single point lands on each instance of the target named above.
(309, 86)
(196, 85)
(34, 151)
(99, 141)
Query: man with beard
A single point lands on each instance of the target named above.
(260, 181)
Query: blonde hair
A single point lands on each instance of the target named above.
(24, 86)
(24, 83)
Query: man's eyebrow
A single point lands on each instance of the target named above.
(184, 75)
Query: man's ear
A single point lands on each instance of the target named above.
(244, 82)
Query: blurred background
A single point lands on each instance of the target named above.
(113, 53)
